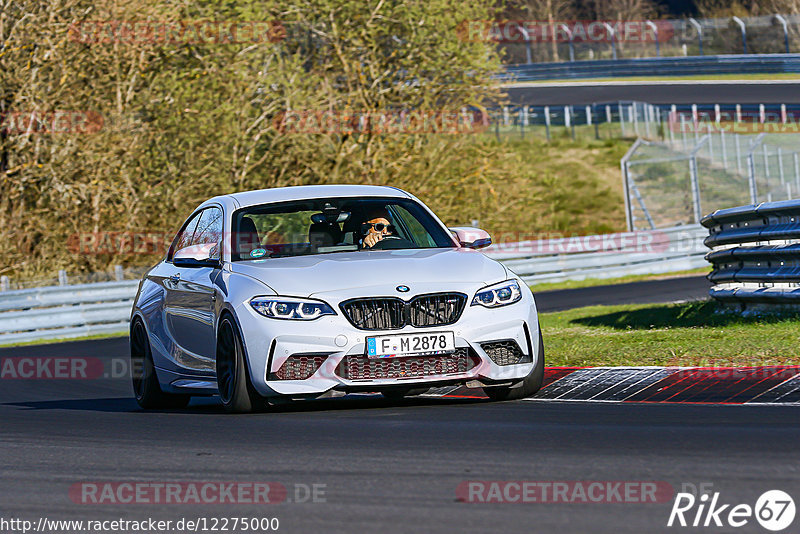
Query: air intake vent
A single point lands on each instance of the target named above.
(391, 313)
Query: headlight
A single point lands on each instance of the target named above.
(501, 294)
(290, 308)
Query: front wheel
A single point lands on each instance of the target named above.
(143, 374)
(233, 380)
(530, 385)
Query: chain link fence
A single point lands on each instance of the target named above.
(699, 165)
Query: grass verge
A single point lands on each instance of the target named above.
(700, 333)
(64, 340)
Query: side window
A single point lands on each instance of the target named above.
(184, 237)
(209, 228)
(418, 234)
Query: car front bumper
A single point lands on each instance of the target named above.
(270, 342)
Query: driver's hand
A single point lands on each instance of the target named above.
(372, 238)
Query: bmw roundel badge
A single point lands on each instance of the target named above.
(402, 289)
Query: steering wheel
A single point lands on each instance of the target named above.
(391, 242)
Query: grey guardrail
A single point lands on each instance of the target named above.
(65, 311)
(79, 310)
(755, 253)
(604, 256)
(657, 66)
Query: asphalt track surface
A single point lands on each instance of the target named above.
(650, 291)
(698, 92)
(386, 466)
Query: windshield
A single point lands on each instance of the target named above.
(323, 226)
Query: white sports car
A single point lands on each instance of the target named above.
(317, 291)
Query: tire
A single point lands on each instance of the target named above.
(143, 374)
(233, 378)
(530, 385)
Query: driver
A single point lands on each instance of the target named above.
(376, 227)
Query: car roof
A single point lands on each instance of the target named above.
(302, 192)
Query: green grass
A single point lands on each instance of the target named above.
(64, 339)
(592, 282)
(781, 76)
(699, 333)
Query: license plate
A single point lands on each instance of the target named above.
(404, 344)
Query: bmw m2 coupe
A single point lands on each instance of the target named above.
(317, 291)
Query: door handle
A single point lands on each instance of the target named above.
(175, 277)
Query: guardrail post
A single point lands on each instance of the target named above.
(621, 118)
(119, 274)
(5, 284)
(783, 114)
(62, 278)
(738, 113)
(506, 118)
(780, 165)
(762, 114)
(608, 113)
(635, 118)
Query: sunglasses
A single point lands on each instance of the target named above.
(379, 227)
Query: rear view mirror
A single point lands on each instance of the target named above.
(469, 237)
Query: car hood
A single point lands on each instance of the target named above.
(302, 276)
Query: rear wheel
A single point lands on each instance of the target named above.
(233, 379)
(143, 374)
(530, 385)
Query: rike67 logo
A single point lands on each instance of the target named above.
(774, 510)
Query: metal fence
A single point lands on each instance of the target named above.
(596, 40)
(696, 163)
(679, 125)
(755, 253)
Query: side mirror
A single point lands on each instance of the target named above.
(469, 237)
(197, 256)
